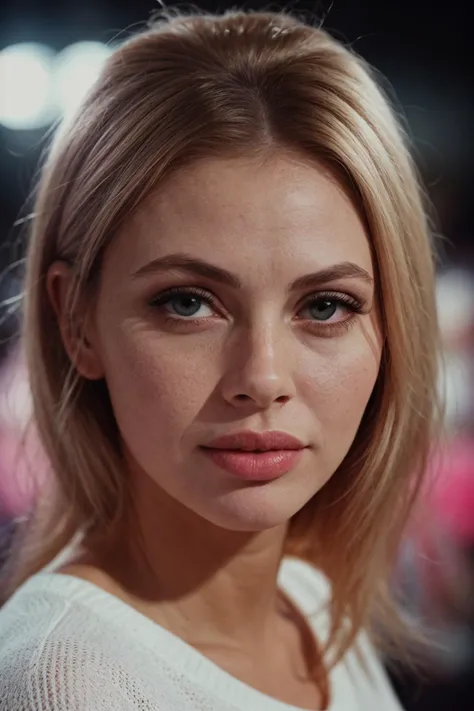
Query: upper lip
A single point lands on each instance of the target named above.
(250, 441)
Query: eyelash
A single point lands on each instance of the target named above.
(352, 304)
(166, 296)
(349, 302)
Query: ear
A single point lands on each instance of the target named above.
(78, 337)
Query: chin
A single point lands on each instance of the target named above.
(253, 509)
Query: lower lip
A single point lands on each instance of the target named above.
(255, 466)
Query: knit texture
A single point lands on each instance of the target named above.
(66, 645)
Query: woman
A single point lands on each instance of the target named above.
(232, 343)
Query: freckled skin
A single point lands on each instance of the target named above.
(253, 361)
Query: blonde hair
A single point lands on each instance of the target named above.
(196, 86)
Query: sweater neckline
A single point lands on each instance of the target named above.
(296, 582)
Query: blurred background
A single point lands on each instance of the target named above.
(50, 53)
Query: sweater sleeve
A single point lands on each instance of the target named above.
(46, 682)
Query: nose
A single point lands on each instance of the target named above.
(260, 372)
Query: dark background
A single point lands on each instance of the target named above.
(424, 50)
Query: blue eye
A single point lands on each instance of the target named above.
(184, 303)
(322, 309)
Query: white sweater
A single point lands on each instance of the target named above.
(66, 645)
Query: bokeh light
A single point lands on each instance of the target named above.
(26, 86)
(77, 68)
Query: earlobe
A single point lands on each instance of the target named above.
(76, 335)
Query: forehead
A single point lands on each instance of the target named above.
(247, 215)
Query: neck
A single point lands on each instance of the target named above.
(210, 586)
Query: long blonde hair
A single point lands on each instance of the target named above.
(198, 86)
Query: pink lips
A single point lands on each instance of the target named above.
(254, 456)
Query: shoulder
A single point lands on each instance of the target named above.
(307, 586)
(361, 673)
(365, 673)
(51, 654)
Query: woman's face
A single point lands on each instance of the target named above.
(240, 298)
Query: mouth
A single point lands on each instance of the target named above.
(256, 457)
(248, 441)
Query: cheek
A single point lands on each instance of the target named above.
(340, 385)
(156, 384)
(342, 380)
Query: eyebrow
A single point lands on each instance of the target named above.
(194, 265)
